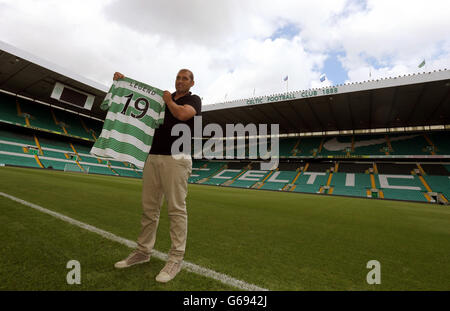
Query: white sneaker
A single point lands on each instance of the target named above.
(169, 271)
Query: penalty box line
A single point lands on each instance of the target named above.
(226, 279)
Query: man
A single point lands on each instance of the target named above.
(166, 176)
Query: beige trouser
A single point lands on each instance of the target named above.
(165, 176)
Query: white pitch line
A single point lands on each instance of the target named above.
(226, 279)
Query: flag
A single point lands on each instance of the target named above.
(422, 64)
(285, 78)
(323, 77)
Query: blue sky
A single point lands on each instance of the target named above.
(333, 68)
(287, 31)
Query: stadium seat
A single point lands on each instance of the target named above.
(412, 144)
(336, 146)
(440, 184)
(8, 111)
(407, 195)
(441, 141)
(395, 168)
(369, 145)
(40, 116)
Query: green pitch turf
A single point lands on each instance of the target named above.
(275, 240)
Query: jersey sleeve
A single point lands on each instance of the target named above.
(108, 98)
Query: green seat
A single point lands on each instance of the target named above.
(409, 195)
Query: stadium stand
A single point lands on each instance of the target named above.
(387, 157)
(390, 180)
(408, 195)
(278, 180)
(248, 178)
(19, 147)
(9, 112)
(201, 170)
(40, 116)
(320, 167)
(310, 182)
(408, 144)
(309, 146)
(435, 169)
(352, 167)
(316, 167)
(395, 168)
(370, 145)
(440, 142)
(351, 184)
(237, 165)
(288, 147)
(439, 184)
(290, 166)
(336, 146)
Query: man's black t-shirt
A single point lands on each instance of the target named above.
(162, 140)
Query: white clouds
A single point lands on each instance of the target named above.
(200, 22)
(65, 34)
(262, 65)
(397, 33)
(225, 43)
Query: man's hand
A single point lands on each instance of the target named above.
(118, 75)
(167, 97)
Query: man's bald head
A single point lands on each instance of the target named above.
(184, 81)
(191, 75)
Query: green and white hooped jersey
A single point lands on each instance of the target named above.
(135, 110)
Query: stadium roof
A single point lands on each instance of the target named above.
(24, 74)
(407, 101)
(421, 99)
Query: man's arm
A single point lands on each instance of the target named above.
(182, 113)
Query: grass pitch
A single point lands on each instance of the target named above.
(276, 240)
